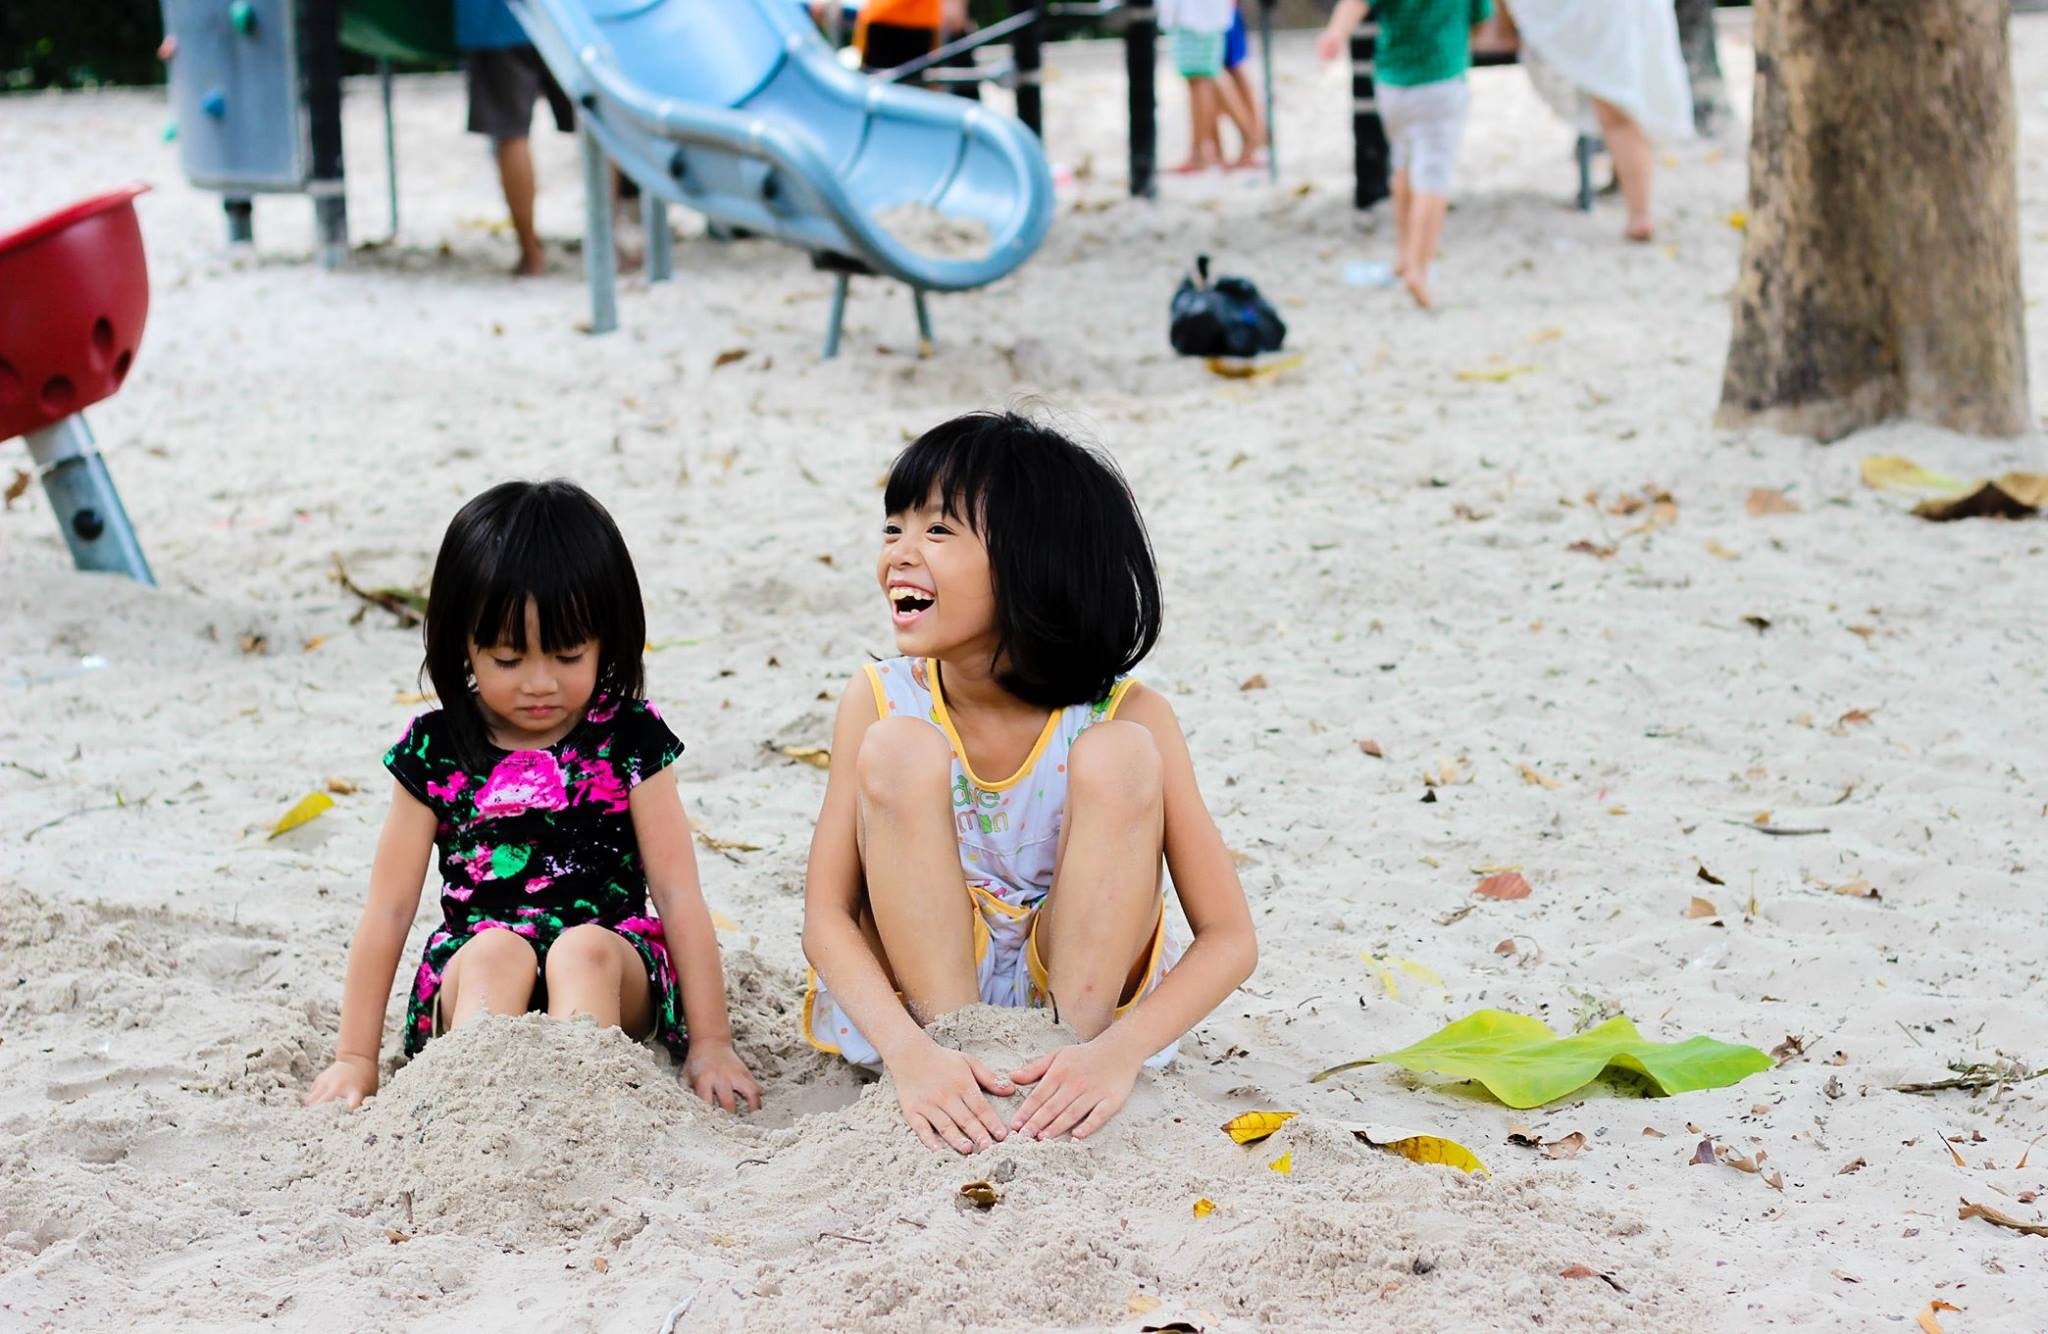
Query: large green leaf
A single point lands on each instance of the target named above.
(1524, 1063)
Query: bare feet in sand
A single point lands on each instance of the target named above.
(1639, 232)
(532, 263)
(1418, 287)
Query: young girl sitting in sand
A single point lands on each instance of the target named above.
(1021, 588)
(544, 781)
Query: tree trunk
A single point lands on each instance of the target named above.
(1881, 267)
(1702, 64)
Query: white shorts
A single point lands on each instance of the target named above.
(1007, 971)
(1425, 124)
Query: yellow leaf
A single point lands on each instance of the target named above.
(1493, 374)
(1141, 1304)
(720, 922)
(1236, 368)
(1204, 1207)
(310, 807)
(1926, 1320)
(1385, 975)
(1385, 968)
(1547, 334)
(1283, 1164)
(1891, 472)
(1716, 549)
(1419, 1147)
(1739, 220)
(1529, 775)
(1251, 1127)
(815, 756)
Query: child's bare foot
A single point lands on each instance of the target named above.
(1194, 167)
(1640, 231)
(1417, 283)
(532, 263)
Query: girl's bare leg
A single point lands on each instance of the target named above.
(1426, 210)
(1402, 196)
(593, 970)
(493, 973)
(910, 858)
(1234, 94)
(1095, 932)
(1635, 163)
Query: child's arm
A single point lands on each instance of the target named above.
(1098, 1075)
(713, 1070)
(396, 875)
(1336, 34)
(938, 1089)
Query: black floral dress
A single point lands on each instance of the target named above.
(539, 843)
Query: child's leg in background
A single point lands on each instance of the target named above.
(1635, 163)
(1095, 930)
(493, 973)
(1426, 211)
(1425, 124)
(1403, 196)
(1206, 150)
(1240, 98)
(1199, 58)
(910, 858)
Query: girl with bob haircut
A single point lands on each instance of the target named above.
(544, 781)
(999, 832)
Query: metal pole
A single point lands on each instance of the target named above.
(600, 261)
(81, 491)
(1141, 35)
(835, 315)
(1266, 60)
(320, 62)
(1027, 50)
(660, 250)
(390, 142)
(1368, 134)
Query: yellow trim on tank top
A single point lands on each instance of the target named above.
(982, 940)
(1041, 977)
(875, 684)
(1045, 735)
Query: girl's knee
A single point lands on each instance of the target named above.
(1115, 762)
(583, 951)
(499, 950)
(898, 754)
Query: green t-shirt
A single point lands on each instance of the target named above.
(1426, 41)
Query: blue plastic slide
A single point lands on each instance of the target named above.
(738, 110)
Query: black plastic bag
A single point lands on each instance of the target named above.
(1225, 319)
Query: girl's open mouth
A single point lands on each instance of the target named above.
(907, 603)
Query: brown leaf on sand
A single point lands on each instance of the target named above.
(1544, 781)
(1859, 888)
(2001, 1218)
(1368, 746)
(1256, 681)
(1710, 877)
(981, 1195)
(1769, 500)
(1854, 718)
(1504, 885)
(1700, 907)
(1926, 1319)
(1586, 548)
(1793, 1045)
(1571, 1146)
(1587, 1271)
(1507, 946)
(18, 487)
(2017, 495)
(341, 787)
(394, 1236)
(1853, 1166)
(728, 357)
(601, 1265)
(816, 756)
(1703, 1156)
(1651, 1132)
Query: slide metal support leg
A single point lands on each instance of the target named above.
(835, 315)
(1266, 62)
(924, 320)
(600, 259)
(390, 144)
(88, 508)
(1582, 153)
(1141, 37)
(241, 216)
(660, 245)
(320, 66)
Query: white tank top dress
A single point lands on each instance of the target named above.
(1009, 834)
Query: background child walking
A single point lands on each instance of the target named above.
(1206, 34)
(544, 783)
(998, 831)
(1425, 47)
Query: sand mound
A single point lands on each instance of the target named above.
(930, 232)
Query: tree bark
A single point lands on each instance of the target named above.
(1880, 271)
(1696, 37)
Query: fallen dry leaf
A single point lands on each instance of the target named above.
(1507, 946)
(1587, 1271)
(1529, 775)
(816, 756)
(1651, 1132)
(728, 357)
(1926, 1319)
(2017, 495)
(17, 487)
(341, 787)
(1571, 1146)
(1853, 1166)
(1283, 1164)
(1768, 500)
(1143, 1303)
(1493, 374)
(1854, 718)
(1704, 874)
(1716, 549)
(1251, 1127)
(1204, 1207)
(309, 807)
(1890, 472)
(1703, 1155)
(1256, 681)
(1370, 747)
(2001, 1218)
(1858, 888)
(1505, 885)
(394, 1236)
(1700, 907)
(1236, 368)
(1586, 548)
(601, 1265)
(981, 1195)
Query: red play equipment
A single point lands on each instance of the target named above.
(74, 291)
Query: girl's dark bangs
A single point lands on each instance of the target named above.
(946, 464)
(546, 572)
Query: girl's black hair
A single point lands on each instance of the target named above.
(549, 541)
(1077, 594)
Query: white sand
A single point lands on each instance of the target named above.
(1387, 544)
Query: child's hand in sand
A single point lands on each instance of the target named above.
(715, 1073)
(348, 1081)
(939, 1090)
(1078, 1088)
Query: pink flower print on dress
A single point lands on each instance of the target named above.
(449, 790)
(525, 780)
(600, 785)
(602, 711)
